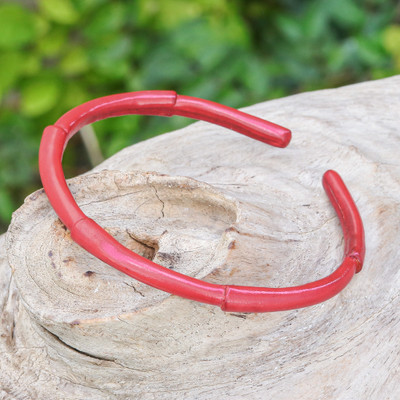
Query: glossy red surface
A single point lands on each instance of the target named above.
(88, 234)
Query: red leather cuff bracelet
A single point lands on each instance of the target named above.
(88, 234)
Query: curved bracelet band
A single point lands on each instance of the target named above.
(88, 234)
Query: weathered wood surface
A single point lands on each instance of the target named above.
(219, 206)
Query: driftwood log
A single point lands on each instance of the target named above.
(219, 206)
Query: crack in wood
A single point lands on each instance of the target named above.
(158, 197)
(61, 342)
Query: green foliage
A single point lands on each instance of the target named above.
(391, 42)
(56, 54)
(17, 27)
(39, 94)
(59, 11)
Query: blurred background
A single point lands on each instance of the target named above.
(56, 54)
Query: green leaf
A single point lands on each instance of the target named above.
(110, 57)
(74, 94)
(371, 51)
(192, 41)
(391, 39)
(42, 25)
(6, 206)
(109, 18)
(54, 42)
(61, 11)
(336, 59)
(75, 62)
(315, 22)
(119, 70)
(204, 88)
(87, 5)
(256, 78)
(164, 66)
(31, 64)
(17, 26)
(39, 95)
(167, 14)
(231, 29)
(290, 27)
(347, 13)
(11, 66)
